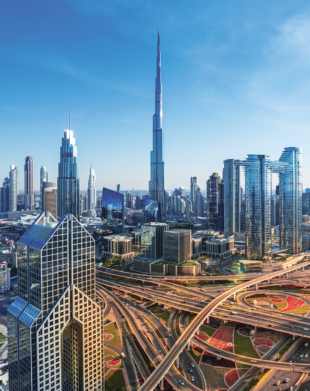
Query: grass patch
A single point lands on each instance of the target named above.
(285, 349)
(244, 346)
(177, 325)
(191, 318)
(253, 382)
(114, 381)
(111, 328)
(109, 352)
(214, 378)
(208, 330)
(196, 355)
(164, 316)
(301, 310)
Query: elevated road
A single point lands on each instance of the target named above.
(190, 331)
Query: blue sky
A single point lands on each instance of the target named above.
(235, 81)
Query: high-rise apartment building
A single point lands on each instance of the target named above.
(152, 240)
(92, 198)
(13, 181)
(232, 197)
(28, 184)
(177, 245)
(68, 181)
(129, 200)
(258, 170)
(193, 188)
(43, 178)
(49, 198)
(55, 325)
(199, 203)
(214, 200)
(157, 182)
(5, 196)
(290, 200)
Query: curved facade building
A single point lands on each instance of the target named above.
(290, 201)
(68, 181)
(151, 211)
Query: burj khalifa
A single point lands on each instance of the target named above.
(157, 182)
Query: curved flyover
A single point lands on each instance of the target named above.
(190, 331)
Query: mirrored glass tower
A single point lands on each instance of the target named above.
(156, 184)
(55, 326)
(68, 181)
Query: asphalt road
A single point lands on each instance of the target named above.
(280, 376)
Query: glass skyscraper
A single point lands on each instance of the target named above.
(156, 184)
(112, 204)
(28, 184)
(151, 211)
(232, 197)
(68, 182)
(152, 240)
(55, 326)
(92, 198)
(43, 178)
(213, 202)
(13, 180)
(290, 200)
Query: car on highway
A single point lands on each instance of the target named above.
(193, 365)
(302, 355)
(190, 370)
(291, 327)
(193, 379)
(307, 355)
(217, 351)
(181, 382)
(278, 382)
(287, 380)
(254, 361)
(306, 329)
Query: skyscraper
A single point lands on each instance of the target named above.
(193, 188)
(13, 180)
(113, 219)
(214, 200)
(43, 178)
(220, 219)
(232, 197)
(68, 182)
(129, 200)
(28, 184)
(290, 200)
(55, 322)
(156, 184)
(92, 193)
(258, 170)
(5, 196)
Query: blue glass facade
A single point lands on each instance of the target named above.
(112, 204)
(151, 211)
(290, 201)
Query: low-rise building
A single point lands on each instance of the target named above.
(10, 257)
(220, 246)
(190, 268)
(119, 244)
(196, 244)
(247, 266)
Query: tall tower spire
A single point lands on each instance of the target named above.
(156, 184)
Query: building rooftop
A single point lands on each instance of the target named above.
(178, 231)
(118, 237)
(247, 262)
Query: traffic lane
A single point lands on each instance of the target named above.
(298, 356)
(305, 386)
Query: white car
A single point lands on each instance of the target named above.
(193, 365)
(307, 355)
(302, 355)
(306, 329)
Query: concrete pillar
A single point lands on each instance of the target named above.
(189, 345)
(287, 275)
(294, 337)
(177, 362)
(162, 384)
(256, 286)
(235, 294)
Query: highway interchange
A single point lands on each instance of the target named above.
(168, 351)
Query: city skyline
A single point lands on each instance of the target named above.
(249, 99)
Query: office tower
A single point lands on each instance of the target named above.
(49, 199)
(28, 184)
(112, 204)
(199, 203)
(307, 190)
(214, 200)
(151, 211)
(138, 202)
(232, 197)
(177, 245)
(118, 188)
(43, 178)
(221, 207)
(208, 195)
(129, 200)
(68, 182)
(55, 339)
(274, 211)
(156, 184)
(193, 188)
(290, 200)
(83, 203)
(306, 203)
(92, 193)
(152, 240)
(180, 206)
(13, 181)
(5, 196)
